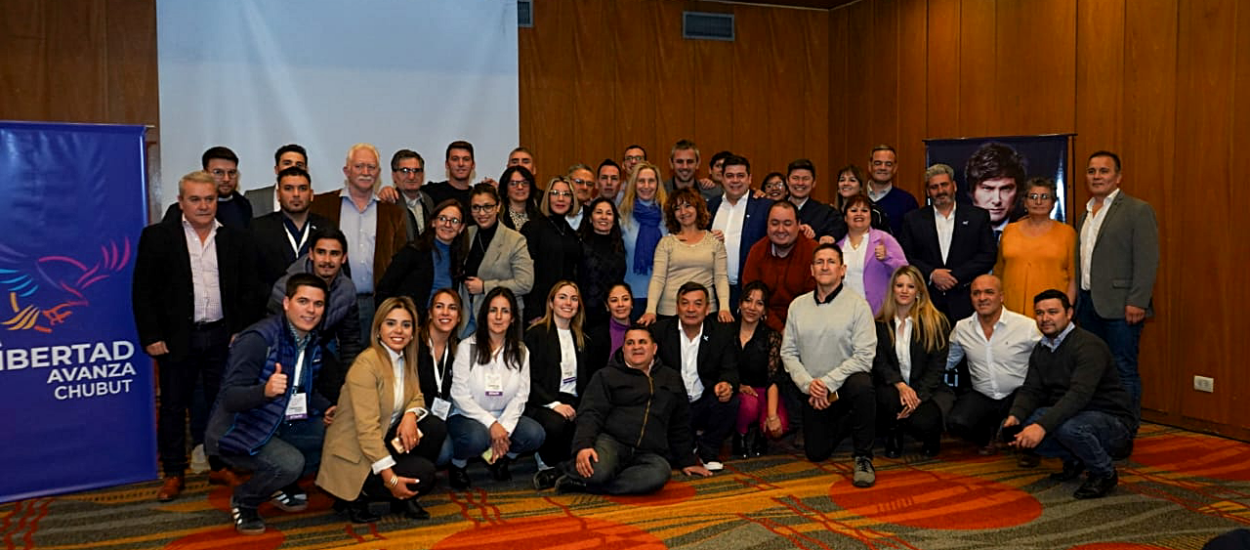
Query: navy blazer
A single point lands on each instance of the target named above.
(754, 227)
(273, 248)
(972, 253)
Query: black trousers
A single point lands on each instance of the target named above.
(711, 421)
(924, 423)
(206, 359)
(558, 444)
(976, 417)
(854, 412)
(417, 463)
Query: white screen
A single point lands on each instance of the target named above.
(254, 75)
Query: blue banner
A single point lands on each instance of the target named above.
(76, 388)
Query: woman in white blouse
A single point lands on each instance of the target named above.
(908, 370)
(381, 442)
(489, 388)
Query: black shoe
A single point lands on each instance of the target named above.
(930, 449)
(411, 509)
(357, 511)
(546, 479)
(499, 469)
(569, 484)
(740, 446)
(894, 444)
(759, 447)
(246, 520)
(290, 499)
(1097, 486)
(458, 478)
(1071, 471)
(1124, 452)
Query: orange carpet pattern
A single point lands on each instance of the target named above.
(1177, 491)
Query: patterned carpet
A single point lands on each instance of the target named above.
(1178, 490)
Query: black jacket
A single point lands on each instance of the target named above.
(927, 369)
(972, 252)
(718, 356)
(162, 295)
(273, 249)
(557, 253)
(544, 347)
(648, 413)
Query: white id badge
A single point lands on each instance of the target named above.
(441, 408)
(494, 384)
(297, 408)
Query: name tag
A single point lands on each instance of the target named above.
(297, 407)
(494, 384)
(441, 408)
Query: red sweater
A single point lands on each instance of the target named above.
(787, 277)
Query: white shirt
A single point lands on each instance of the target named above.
(729, 220)
(878, 195)
(568, 362)
(397, 404)
(690, 362)
(361, 229)
(1089, 234)
(902, 346)
(854, 257)
(997, 365)
(205, 278)
(418, 211)
(945, 230)
(471, 382)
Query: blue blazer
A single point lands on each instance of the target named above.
(754, 227)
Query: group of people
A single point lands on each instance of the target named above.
(615, 324)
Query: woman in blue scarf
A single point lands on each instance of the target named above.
(642, 226)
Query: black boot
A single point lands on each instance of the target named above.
(357, 511)
(759, 446)
(894, 443)
(410, 508)
(457, 477)
(499, 469)
(740, 446)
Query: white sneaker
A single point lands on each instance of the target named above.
(714, 466)
(199, 461)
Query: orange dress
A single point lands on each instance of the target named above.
(1028, 265)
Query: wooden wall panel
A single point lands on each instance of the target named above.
(943, 81)
(1150, 150)
(912, 95)
(882, 73)
(133, 89)
(840, 86)
(545, 88)
(636, 67)
(1099, 86)
(862, 129)
(978, 63)
(754, 129)
(1206, 38)
(1036, 66)
(594, 91)
(1239, 196)
(76, 45)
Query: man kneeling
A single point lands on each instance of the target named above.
(634, 412)
(268, 416)
(1074, 405)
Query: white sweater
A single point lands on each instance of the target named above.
(828, 341)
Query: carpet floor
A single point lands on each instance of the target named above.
(1178, 490)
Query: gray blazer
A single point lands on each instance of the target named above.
(1125, 258)
(262, 200)
(507, 263)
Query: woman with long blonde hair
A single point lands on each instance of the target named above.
(912, 343)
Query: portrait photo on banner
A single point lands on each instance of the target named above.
(991, 172)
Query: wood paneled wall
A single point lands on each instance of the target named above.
(598, 75)
(1165, 83)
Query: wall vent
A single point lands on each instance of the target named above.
(525, 13)
(707, 26)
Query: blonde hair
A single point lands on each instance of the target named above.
(410, 351)
(575, 324)
(545, 207)
(626, 207)
(377, 159)
(198, 176)
(931, 325)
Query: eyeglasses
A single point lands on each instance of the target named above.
(448, 220)
(635, 158)
(407, 171)
(1039, 196)
(561, 193)
(583, 182)
(228, 173)
(483, 207)
(518, 183)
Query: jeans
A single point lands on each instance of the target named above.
(469, 438)
(622, 470)
(1122, 338)
(293, 452)
(1088, 437)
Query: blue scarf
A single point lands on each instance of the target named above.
(648, 217)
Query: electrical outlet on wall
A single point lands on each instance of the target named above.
(1204, 384)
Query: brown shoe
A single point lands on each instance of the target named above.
(224, 476)
(170, 489)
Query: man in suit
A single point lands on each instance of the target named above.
(233, 209)
(408, 175)
(1118, 255)
(702, 350)
(950, 244)
(820, 221)
(270, 416)
(193, 289)
(264, 200)
(738, 219)
(375, 230)
(283, 236)
(995, 173)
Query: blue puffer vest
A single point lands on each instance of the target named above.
(251, 429)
